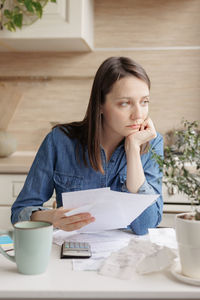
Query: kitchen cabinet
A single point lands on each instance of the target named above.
(174, 203)
(10, 186)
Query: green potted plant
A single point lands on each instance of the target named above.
(18, 13)
(181, 170)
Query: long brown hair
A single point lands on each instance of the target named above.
(87, 131)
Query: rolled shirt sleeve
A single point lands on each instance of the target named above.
(25, 213)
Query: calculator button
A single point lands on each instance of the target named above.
(77, 245)
(71, 245)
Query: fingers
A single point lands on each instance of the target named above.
(151, 127)
(77, 218)
(74, 218)
(78, 225)
(142, 126)
(148, 125)
(69, 223)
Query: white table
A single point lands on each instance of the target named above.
(61, 282)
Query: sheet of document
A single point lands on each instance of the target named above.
(139, 257)
(109, 242)
(111, 209)
(102, 243)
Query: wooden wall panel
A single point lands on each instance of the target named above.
(34, 66)
(175, 91)
(147, 23)
(42, 103)
(9, 99)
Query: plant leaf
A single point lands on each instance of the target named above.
(17, 19)
(7, 13)
(38, 9)
(29, 5)
(10, 26)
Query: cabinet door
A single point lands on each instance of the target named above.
(174, 196)
(168, 220)
(9, 184)
(5, 213)
(10, 187)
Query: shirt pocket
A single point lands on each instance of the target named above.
(67, 183)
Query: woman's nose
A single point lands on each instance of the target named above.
(136, 113)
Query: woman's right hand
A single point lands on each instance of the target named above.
(70, 223)
(59, 220)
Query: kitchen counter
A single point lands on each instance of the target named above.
(61, 282)
(17, 163)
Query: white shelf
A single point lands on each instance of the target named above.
(65, 26)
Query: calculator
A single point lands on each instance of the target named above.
(75, 250)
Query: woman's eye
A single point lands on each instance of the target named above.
(145, 102)
(124, 104)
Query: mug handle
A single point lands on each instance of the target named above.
(10, 257)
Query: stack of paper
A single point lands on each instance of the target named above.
(102, 243)
(111, 209)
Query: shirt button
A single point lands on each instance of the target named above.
(112, 160)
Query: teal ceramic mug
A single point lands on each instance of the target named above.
(32, 245)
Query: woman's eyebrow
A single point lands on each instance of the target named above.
(131, 98)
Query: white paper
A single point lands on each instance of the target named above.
(159, 260)
(144, 254)
(163, 237)
(102, 245)
(111, 209)
(140, 256)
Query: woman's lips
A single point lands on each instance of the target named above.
(134, 126)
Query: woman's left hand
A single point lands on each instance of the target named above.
(146, 133)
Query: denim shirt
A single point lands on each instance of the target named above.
(56, 167)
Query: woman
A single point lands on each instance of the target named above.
(110, 147)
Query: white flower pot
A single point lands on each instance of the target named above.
(188, 238)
